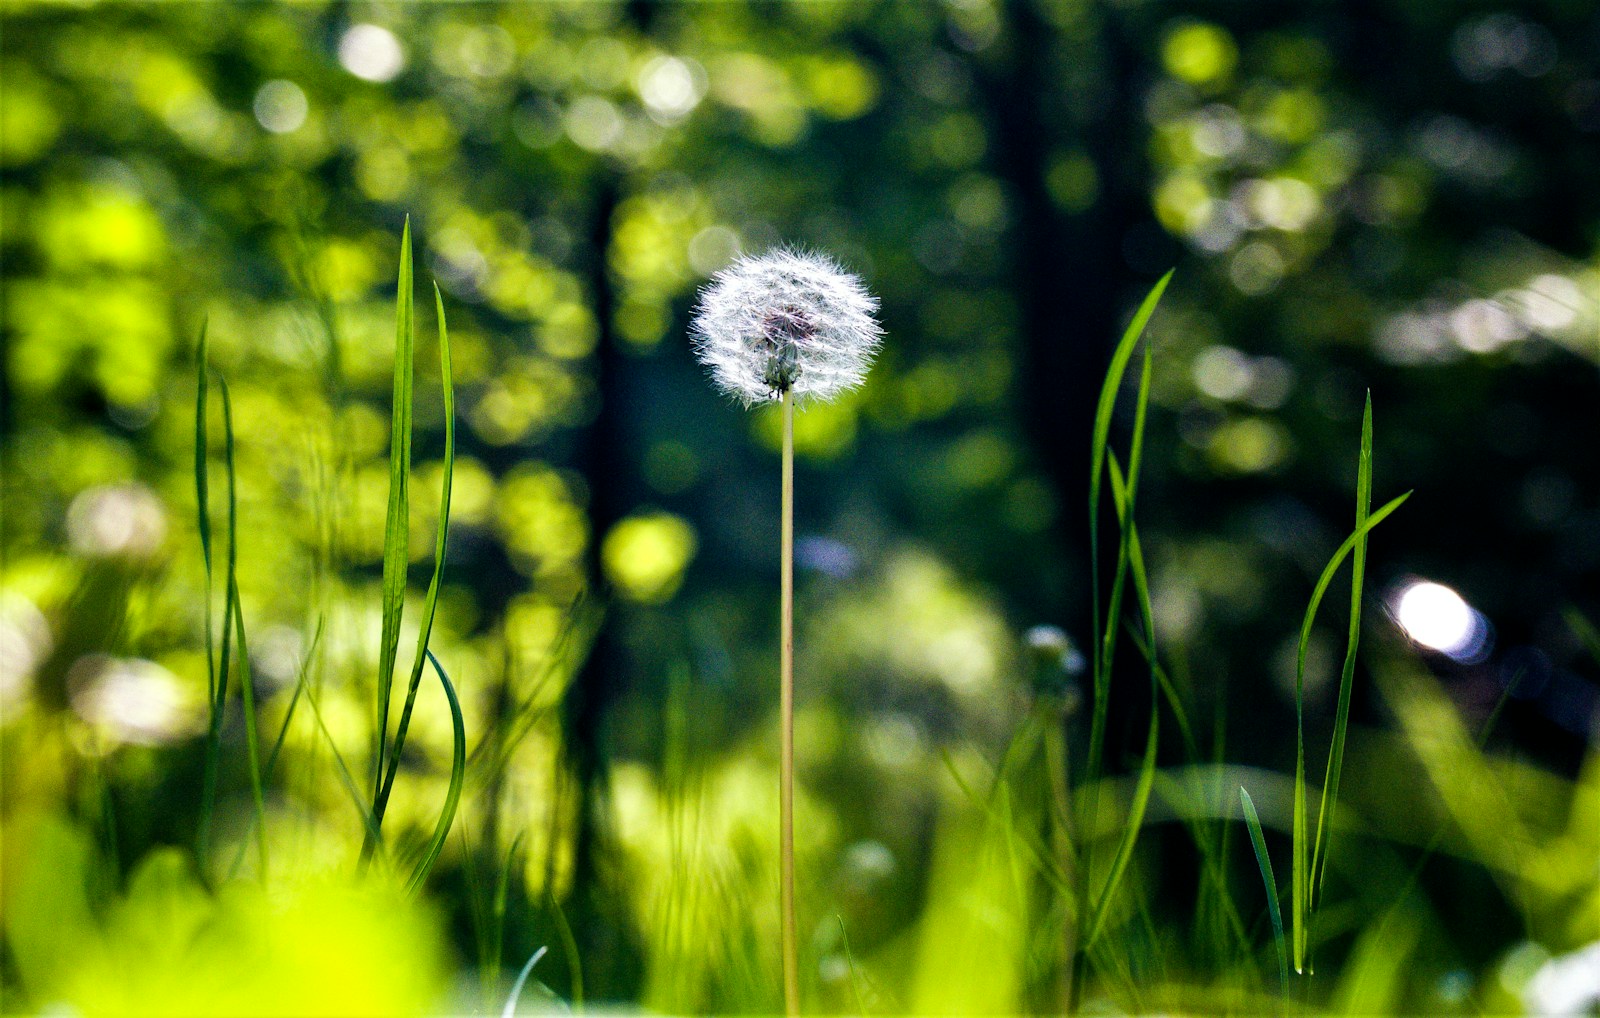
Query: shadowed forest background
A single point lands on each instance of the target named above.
(1388, 196)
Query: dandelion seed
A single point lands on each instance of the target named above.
(786, 321)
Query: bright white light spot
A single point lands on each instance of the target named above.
(1436, 617)
(131, 700)
(116, 519)
(671, 87)
(1282, 202)
(281, 106)
(1483, 326)
(371, 52)
(24, 645)
(1566, 985)
(1551, 303)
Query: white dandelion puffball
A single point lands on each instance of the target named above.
(786, 321)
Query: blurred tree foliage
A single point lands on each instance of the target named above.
(1387, 195)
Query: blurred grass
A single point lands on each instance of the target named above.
(1009, 912)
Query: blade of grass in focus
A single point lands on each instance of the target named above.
(1102, 432)
(458, 770)
(396, 540)
(1264, 862)
(1358, 568)
(1301, 903)
(1104, 644)
(431, 603)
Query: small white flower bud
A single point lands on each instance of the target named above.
(786, 321)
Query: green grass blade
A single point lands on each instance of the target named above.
(502, 893)
(569, 947)
(396, 539)
(252, 740)
(246, 677)
(1301, 882)
(1298, 878)
(1259, 843)
(300, 680)
(219, 705)
(202, 501)
(1049, 870)
(283, 730)
(431, 603)
(458, 771)
(850, 960)
(1358, 567)
(347, 780)
(202, 484)
(1098, 448)
(1123, 490)
(1130, 835)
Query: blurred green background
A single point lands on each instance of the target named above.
(1394, 196)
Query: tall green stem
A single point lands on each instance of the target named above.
(791, 973)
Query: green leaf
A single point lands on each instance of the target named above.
(1264, 862)
(1130, 834)
(202, 501)
(1358, 567)
(283, 730)
(1109, 388)
(431, 603)
(458, 771)
(1301, 881)
(396, 540)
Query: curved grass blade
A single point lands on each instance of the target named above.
(396, 539)
(1264, 861)
(522, 978)
(431, 603)
(1341, 724)
(458, 770)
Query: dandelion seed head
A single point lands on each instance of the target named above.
(786, 321)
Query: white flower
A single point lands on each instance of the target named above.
(786, 320)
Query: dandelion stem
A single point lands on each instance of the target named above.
(791, 974)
